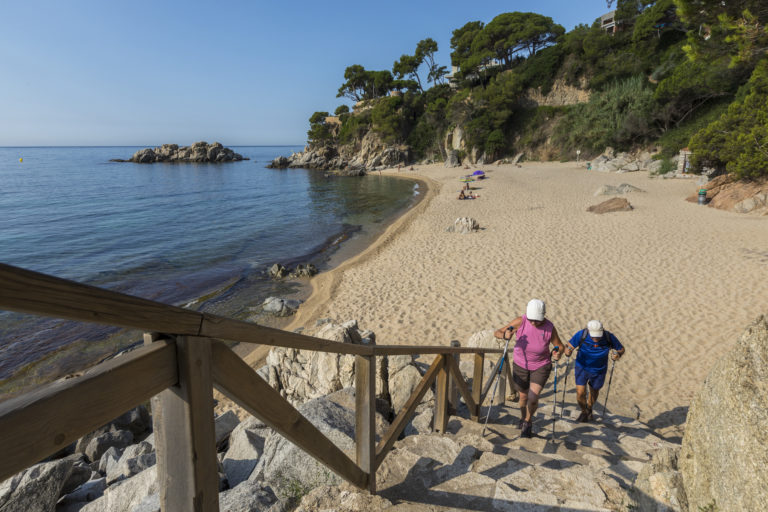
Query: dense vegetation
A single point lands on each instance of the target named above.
(675, 73)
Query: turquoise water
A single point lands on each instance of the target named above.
(170, 232)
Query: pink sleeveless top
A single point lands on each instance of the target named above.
(532, 347)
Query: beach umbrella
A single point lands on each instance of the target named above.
(466, 179)
(478, 173)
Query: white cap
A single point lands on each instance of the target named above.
(535, 310)
(595, 328)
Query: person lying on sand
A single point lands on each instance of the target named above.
(531, 363)
(594, 344)
(462, 195)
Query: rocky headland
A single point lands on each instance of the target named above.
(615, 463)
(198, 152)
(350, 160)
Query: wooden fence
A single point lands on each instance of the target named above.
(180, 363)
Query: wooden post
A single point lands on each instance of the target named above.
(453, 390)
(441, 397)
(477, 384)
(365, 421)
(187, 468)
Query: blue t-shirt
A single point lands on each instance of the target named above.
(593, 355)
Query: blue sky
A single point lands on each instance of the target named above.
(239, 72)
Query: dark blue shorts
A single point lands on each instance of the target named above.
(584, 377)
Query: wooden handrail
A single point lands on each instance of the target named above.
(189, 362)
(39, 423)
(396, 350)
(26, 291)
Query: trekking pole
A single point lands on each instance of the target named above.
(493, 393)
(565, 386)
(554, 397)
(608, 391)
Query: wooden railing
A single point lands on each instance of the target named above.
(179, 365)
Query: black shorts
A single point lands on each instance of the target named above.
(523, 378)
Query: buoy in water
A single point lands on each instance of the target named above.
(21, 159)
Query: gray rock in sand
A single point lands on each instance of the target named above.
(280, 307)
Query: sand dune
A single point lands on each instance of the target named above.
(675, 281)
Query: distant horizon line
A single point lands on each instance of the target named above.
(149, 145)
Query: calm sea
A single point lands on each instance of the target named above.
(200, 235)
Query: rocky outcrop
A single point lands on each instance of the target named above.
(561, 94)
(617, 204)
(283, 464)
(453, 159)
(278, 271)
(659, 485)
(609, 161)
(610, 190)
(246, 444)
(354, 160)
(301, 375)
(35, 489)
(727, 193)
(197, 152)
(724, 457)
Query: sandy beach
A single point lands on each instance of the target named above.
(675, 281)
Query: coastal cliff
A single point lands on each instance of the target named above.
(369, 154)
(197, 152)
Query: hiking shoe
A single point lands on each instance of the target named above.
(584, 416)
(527, 429)
(520, 423)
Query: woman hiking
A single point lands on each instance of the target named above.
(531, 363)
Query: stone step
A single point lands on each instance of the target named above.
(588, 466)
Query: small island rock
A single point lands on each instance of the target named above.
(197, 152)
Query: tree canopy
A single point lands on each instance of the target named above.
(362, 84)
(408, 65)
(508, 38)
(669, 72)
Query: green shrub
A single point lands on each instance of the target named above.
(620, 116)
(738, 141)
(678, 137)
(354, 127)
(667, 166)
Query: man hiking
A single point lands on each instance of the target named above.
(531, 363)
(594, 344)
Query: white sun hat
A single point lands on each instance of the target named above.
(595, 328)
(535, 310)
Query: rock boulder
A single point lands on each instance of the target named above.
(724, 456)
(35, 489)
(617, 204)
(464, 225)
